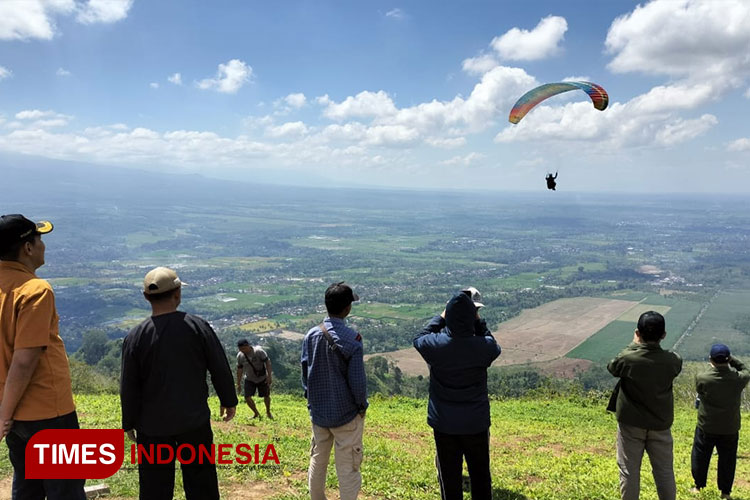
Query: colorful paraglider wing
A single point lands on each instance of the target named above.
(533, 97)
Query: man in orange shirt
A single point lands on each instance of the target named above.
(35, 387)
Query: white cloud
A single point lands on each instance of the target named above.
(62, 72)
(153, 85)
(296, 100)
(103, 11)
(680, 130)
(289, 129)
(539, 43)
(703, 39)
(491, 98)
(230, 77)
(34, 114)
(665, 98)
(23, 19)
(390, 135)
(36, 19)
(742, 144)
(464, 160)
(366, 104)
(576, 79)
(396, 13)
(37, 119)
(479, 65)
(447, 142)
(5, 73)
(175, 78)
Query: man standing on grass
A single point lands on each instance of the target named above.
(645, 408)
(254, 363)
(719, 399)
(458, 347)
(333, 377)
(35, 386)
(164, 394)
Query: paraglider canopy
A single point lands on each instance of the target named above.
(533, 97)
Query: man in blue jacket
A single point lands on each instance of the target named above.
(459, 348)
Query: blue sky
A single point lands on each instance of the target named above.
(408, 94)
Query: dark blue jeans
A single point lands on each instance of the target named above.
(451, 450)
(703, 448)
(39, 489)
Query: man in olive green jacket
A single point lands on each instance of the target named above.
(645, 408)
(719, 399)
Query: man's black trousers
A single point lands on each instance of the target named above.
(39, 489)
(703, 447)
(156, 481)
(451, 449)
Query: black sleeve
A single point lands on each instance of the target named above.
(218, 366)
(130, 388)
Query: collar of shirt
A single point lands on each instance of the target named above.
(16, 266)
(347, 335)
(649, 346)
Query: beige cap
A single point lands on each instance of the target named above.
(160, 280)
(476, 297)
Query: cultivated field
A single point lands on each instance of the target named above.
(679, 312)
(538, 335)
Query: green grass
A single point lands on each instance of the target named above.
(260, 326)
(560, 448)
(376, 310)
(516, 281)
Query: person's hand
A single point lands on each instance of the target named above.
(131, 434)
(227, 412)
(269, 380)
(363, 413)
(442, 314)
(5, 428)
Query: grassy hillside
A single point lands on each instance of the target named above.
(542, 448)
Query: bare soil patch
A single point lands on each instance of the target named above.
(649, 269)
(550, 331)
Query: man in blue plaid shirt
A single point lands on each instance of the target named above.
(333, 376)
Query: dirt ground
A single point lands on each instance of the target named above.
(543, 334)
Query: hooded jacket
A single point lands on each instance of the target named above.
(458, 350)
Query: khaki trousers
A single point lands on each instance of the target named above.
(631, 442)
(348, 444)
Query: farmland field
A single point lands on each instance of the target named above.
(607, 342)
(719, 323)
(541, 334)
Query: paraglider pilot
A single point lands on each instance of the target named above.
(551, 181)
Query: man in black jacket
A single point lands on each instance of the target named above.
(459, 348)
(719, 401)
(163, 390)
